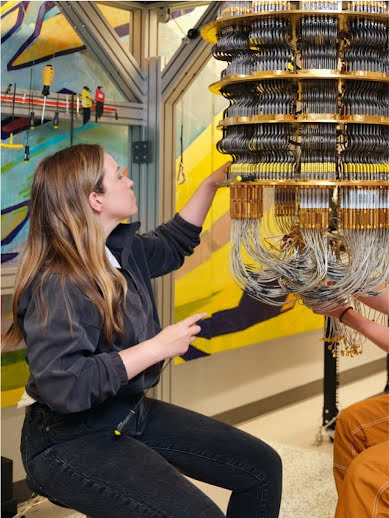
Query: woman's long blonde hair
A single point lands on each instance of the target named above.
(66, 238)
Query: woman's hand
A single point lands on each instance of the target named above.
(218, 176)
(334, 312)
(196, 209)
(174, 340)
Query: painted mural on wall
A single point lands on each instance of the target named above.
(204, 283)
(35, 34)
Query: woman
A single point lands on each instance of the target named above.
(361, 444)
(85, 308)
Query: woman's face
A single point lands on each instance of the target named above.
(119, 201)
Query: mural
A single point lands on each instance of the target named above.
(32, 26)
(33, 34)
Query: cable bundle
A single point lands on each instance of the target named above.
(243, 100)
(236, 8)
(271, 37)
(240, 64)
(276, 97)
(367, 48)
(366, 153)
(239, 8)
(365, 98)
(319, 96)
(272, 144)
(232, 40)
(269, 5)
(318, 152)
(271, 97)
(235, 140)
(318, 5)
(260, 151)
(318, 42)
(270, 31)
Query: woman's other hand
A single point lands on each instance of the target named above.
(174, 340)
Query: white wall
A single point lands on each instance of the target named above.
(228, 380)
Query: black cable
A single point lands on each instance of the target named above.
(118, 430)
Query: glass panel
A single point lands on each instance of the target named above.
(41, 35)
(17, 174)
(172, 33)
(119, 19)
(196, 282)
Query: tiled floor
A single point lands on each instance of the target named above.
(292, 431)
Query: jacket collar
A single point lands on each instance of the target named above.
(122, 236)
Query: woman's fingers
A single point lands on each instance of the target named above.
(193, 319)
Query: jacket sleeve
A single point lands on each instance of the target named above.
(69, 377)
(167, 245)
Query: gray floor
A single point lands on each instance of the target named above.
(308, 485)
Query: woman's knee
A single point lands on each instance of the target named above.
(276, 460)
(268, 462)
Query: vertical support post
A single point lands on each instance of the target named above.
(331, 381)
(147, 177)
(165, 286)
(143, 42)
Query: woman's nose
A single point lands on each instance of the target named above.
(131, 182)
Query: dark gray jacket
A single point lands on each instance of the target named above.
(74, 371)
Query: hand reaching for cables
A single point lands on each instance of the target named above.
(334, 312)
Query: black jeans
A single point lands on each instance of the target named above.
(76, 461)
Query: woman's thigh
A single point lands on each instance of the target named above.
(120, 477)
(206, 449)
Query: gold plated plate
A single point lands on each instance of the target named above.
(310, 183)
(209, 31)
(301, 75)
(302, 119)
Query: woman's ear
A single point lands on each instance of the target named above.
(96, 201)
